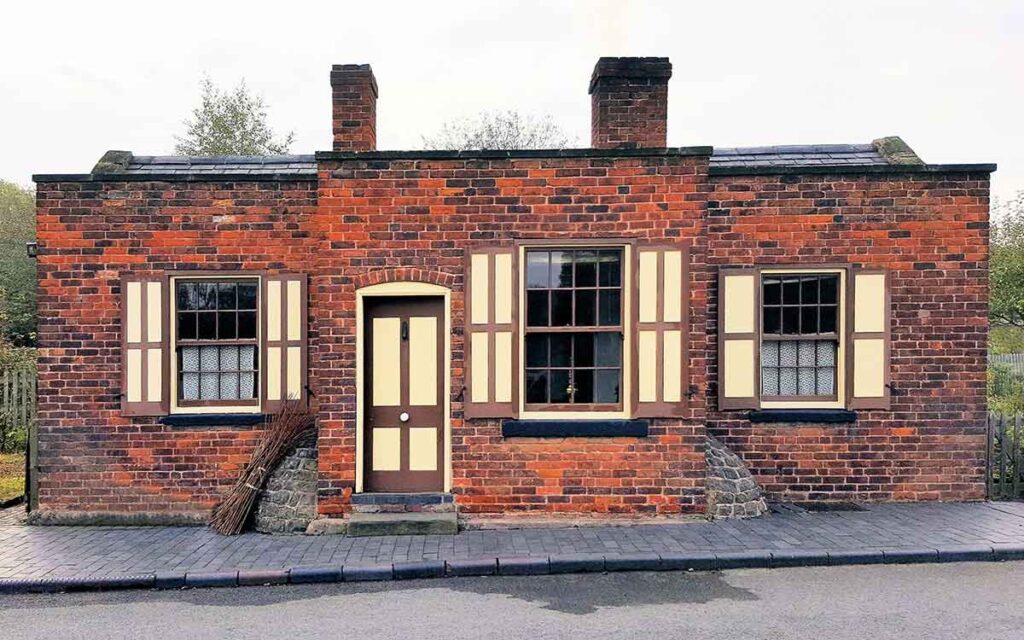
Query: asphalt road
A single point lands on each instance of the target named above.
(976, 600)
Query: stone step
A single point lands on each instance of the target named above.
(403, 524)
(402, 502)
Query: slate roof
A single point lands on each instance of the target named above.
(222, 165)
(798, 155)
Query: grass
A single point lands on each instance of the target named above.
(12, 475)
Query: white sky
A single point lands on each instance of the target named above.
(79, 78)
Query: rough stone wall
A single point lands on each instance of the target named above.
(385, 219)
(91, 457)
(731, 491)
(929, 230)
(287, 503)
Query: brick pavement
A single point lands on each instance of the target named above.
(82, 552)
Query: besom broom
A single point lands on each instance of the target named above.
(282, 431)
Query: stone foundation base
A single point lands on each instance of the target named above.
(731, 491)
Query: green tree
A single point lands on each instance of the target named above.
(17, 270)
(230, 123)
(1006, 304)
(499, 130)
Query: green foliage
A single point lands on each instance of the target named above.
(17, 270)
(1005, 390)
(1005, 339)
(230, 123)
(1006, 304)
(499, 130)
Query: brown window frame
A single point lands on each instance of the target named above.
(574, 329)
(799, 337)
(196, 342)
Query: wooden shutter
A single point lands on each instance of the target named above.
(662, 311)
(738, 359)
(870, 319)
(284, 321)
(145, 358)
(492, 354)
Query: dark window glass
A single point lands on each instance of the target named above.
(247, 324)
(828, 320)
(207, 325)
(186, 326)
(227, 325)
(577, 291)
(772, 291)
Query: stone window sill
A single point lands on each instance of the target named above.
(213, 419)
(575, 428)
(828, 416)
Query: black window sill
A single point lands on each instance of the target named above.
(575, 428)
(213, 419)
(829, 416)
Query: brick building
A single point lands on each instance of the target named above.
(542, 331)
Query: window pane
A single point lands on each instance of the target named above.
(247, 386)
(806, 381)
(583, 350)
(226, 295)
(186, 296)
(207, 326)
(583, 381)
(226, 327)
(607, 349)
(772, 319)
(188, 359)
(829, 289)
(561, 349)
(808, 320)
(229, 386)
(586, 269)
(537, 269)
(826, 381)
(772, 291)
(606, 386)
(608, 311)
(791, 320)
(559, 386)
(229, 358)
(247, 295)
(536, 308)
(187, 326)
(561, 269)
(247, 358)
(790, 290)
(561, 308)
(826, 353)
(209, 386)
(209, 358)
(207, 293)
(827, 320)
(809, 290)
(536, 350)
(247, 324)
(770, 353)
(787, 381)
(190, 386)
(536, 387)
(610, 269)
(586, 308)
(788, 353)
(806, 356)
(770, 381)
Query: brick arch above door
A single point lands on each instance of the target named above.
(404, 274)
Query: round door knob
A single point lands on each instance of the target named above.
(404, 417)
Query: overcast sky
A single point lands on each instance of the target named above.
(83, 77)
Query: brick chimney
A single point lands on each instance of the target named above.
(354, 107)
(629, 103)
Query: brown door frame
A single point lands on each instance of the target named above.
(399, 290)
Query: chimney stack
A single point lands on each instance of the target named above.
(354, 107)
(629, 103)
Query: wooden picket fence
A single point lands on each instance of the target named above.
(17, 406)
(1005, 457)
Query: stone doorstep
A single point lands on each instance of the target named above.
(403, 524)
(403, 502)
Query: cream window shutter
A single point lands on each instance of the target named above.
(870, 314)
(145, 358)
(492, 354)
(283, 327)
(738, 360)
(660, 331)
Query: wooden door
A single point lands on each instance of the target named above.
(404, 394)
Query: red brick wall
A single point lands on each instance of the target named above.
(91, 457)
(931, 232)
(378, 217)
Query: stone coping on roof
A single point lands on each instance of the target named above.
(884, 155)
